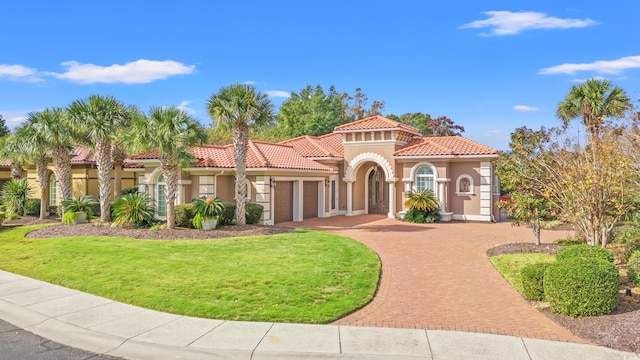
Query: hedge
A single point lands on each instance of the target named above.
(584, 251)
(32, 207)
(184, 216)
(2, 217)
(633, 268)
(532, 278)
(582, 287)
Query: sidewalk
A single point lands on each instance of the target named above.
(104, 326)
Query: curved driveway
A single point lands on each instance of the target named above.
(437, 276)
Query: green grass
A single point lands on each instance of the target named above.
(510, 265)
(303, 276)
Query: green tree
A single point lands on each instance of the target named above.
(119, 150)
(312, 112)
(171, 132)
(443, 126)
(4, 130)
(240, 107)
(13, 155)
(99, 118)
(594, 101)
(357, 105)
(418, 120)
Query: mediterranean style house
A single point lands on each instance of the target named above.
(363, 167)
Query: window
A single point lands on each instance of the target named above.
(496, 185)
(206, 186)
(333, 194)
(161, 197)
(425, 179)
(53, 190)
(464, 185)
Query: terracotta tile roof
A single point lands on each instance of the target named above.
(444, 145)
(329, 145)
(81, 154)
(375, 123)
(5, 163)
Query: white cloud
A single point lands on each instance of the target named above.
(525, 108)
(19, 72)
(14, 118)
(136, 72)
(511, 23)
(495, 133)
(601, 67)
(278, 93)
(249, 82)
(183, 106)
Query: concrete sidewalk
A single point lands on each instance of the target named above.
(108, 327)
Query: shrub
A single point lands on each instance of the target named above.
(420, 216)
(633, 268)
(584, 251)
(14, 196)
(227, 215)
(582, 286)
(569, 241)
(133, 209)
(253, 212)
(206, 208)
(70, 217)
(2, 217)
(32, 207)
(130, 190)
(532, 278)
(184, 215)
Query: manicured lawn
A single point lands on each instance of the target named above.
(510, 265)
(303, 276)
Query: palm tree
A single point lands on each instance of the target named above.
(100, 118)
(13, 155)
(240, 107)
(171, 132)
(119, 150)
(594, 101)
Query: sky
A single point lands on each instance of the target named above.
(490, 66)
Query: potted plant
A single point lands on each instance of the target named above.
(77, 210)
(206, 212)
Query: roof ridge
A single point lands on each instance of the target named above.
(258, 153)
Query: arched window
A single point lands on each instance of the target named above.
(161, 197)
(425, 179)
(53, 190)
(464, 185)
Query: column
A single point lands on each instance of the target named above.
(441, 196)
(392, 198)
(349, 198)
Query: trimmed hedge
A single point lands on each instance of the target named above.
(226, 218)
(582, 287)
(32, 207)
(184, 216)
(584, 251)
(253, 212)
(2, 217)
(532, 278)
(633, 268)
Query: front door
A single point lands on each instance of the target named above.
(378, 193)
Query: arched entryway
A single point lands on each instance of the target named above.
(377, 191)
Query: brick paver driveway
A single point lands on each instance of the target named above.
(438, 276)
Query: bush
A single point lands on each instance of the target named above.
(133, 209)
(70, 217)
(2, 217)
(420, 216)
(14, 196)
(582, 287)
(32, 207)
(130, 190)
(569, 241)
(227, 216)
(633, 268)
(584, 251)
(253, 212)
(184, 216)
(532, 278)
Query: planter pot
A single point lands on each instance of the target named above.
(446, 216)
(209, 224)
(82, 217)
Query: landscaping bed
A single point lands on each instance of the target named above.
(618, 330)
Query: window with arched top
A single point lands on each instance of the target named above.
(464, 185)
(53, 190)
(161, 197)
(425, 179)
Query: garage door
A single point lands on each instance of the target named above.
(283, 203)
(310, 198)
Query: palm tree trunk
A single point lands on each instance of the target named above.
(43, 179)
(170, 173)
(240, 146)
(16, 170)
(62, 163)
(104, 167)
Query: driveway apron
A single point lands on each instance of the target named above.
(438, 277)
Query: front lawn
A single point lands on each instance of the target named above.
(510, 265)
(302, 276)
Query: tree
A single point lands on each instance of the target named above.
(418, 120)
(4, 130)
(240, 107)
(357, 105)
(13, 155)
(100, 118)
(595, 101)
(171, 132)
(119, 150)
(312, 112)
(443, 126)
(521, 175)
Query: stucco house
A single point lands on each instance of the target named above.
(363, 167)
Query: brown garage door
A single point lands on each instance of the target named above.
(283, 203)
(310, 198)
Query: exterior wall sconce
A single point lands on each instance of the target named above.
(272, 181)
(327, 182)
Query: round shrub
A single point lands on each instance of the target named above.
(582, 287)
(228, 214)
(532, 278)
(584, 251)
(184, 215)
(633, 268)
(32, 207)
(253, 212)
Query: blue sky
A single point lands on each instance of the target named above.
(490, 66)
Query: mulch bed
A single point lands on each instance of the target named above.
(619, 330)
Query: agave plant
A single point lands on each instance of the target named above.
(14, 196)
(133, 209)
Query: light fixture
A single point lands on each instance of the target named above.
(272, 181)
(327, 182)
